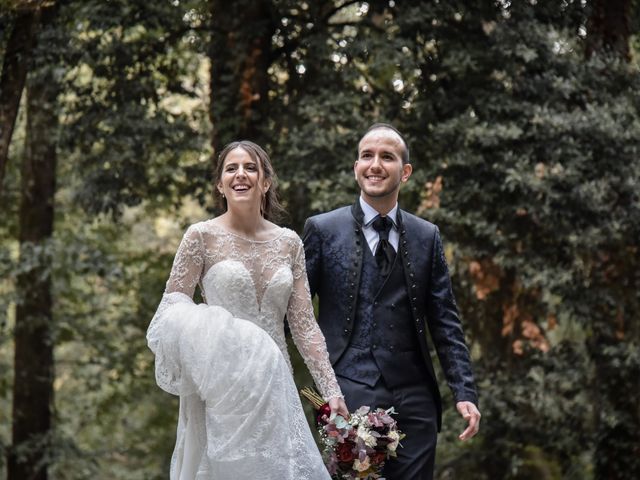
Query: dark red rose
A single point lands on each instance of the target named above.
(378, 457)
(345, 452)
(323, 414)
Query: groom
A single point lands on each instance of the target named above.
(382, 281)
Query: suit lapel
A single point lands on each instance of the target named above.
(358, 214)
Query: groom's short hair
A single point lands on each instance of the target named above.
(380, 125)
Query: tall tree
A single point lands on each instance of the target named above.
(17, 54)
(29, 456)
(608, 40)
(240, 54)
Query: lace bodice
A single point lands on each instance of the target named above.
(258, 281)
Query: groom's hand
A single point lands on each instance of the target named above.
(471, 414)
(338, 407)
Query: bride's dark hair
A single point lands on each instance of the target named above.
(271, 208)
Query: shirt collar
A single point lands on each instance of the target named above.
(371, 213)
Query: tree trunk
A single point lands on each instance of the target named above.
(33, 362)
(14, 72)
(608, 29)
(240, 53)
(616, 450)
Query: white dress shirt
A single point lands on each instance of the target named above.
(370, 233)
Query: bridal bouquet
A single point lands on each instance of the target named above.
(359, 446)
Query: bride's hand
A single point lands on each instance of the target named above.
(338, 407)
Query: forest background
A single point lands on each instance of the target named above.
(523, 120)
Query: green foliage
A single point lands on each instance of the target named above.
(538, 156)
(133, 105)
(536, 398)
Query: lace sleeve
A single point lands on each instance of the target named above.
(188, 264)
(305, 330)
(164, 327)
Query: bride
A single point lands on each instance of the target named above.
(240, 414)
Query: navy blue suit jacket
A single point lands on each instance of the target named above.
(334, 246)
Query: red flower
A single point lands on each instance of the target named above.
(323, 414)
(378, 457)
(345, 452)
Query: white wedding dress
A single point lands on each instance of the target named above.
(240, 414)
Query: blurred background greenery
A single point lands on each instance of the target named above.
(524, 122)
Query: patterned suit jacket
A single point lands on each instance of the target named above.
(334, 247)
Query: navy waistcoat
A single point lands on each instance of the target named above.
(384, 342)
